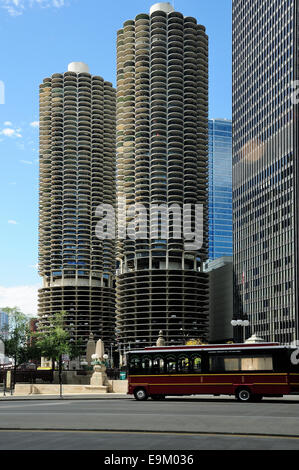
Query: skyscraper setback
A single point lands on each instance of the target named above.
(162, 158)
(77, 173)
(265, 166)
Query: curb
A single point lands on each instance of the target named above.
(67, 397)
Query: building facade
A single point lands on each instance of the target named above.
(77, 174)
(220, 189)
(162, 159)
(265, 166)
(3, 321)
(221, 299)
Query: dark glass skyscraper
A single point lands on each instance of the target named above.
(220, 188)
(265, 168)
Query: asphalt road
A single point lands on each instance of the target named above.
(97, 440)
(191, 423)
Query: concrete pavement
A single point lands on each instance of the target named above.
(110, 396)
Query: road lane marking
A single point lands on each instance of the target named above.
(152, 433)
(4, 407)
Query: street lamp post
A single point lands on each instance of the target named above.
(184, 335)
(111, 355)
(242, 323)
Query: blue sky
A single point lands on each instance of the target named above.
(39, 38)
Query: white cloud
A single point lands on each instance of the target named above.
(7, 123)
(34, 124)
(17, 7)
(10, 132)
(13, 7)
(12, 222)
(24, 297)
(26, 162)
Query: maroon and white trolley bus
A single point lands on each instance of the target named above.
(247, 371)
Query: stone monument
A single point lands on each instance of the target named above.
(160, 340)
(99, 380)
(90, 349)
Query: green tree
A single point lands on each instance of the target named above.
(54, 340)
(76, 348)
(15, 336)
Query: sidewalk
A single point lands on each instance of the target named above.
(105, 396)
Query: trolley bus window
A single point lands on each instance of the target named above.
(239, 363)
(183, 364)
(146, 364)
(135, 364)
(196, 363)
(257, 363)
(170, 362)
(158, 365)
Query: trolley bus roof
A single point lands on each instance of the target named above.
(210, 347)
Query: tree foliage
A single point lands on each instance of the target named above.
(15, 335)
(23, 346)
(55, 341)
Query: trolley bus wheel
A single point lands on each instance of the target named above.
(140, 394)
(158, 397)
(243, 394)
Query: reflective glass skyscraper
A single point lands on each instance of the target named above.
(265, 165)
(220, 188)
(3, 321)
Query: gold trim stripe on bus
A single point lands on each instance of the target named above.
(210, 375)
(212, 384)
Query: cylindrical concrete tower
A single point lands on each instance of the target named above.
(77, 174)
(162, 143)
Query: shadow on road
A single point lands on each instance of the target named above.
(224, 400)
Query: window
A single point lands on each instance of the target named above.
(158, 365)
(134, 364)
(146, 364)
(196, 363)
(170, 364)
(238, 363)
(257, 363)
(223, 364)
(183, 364)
